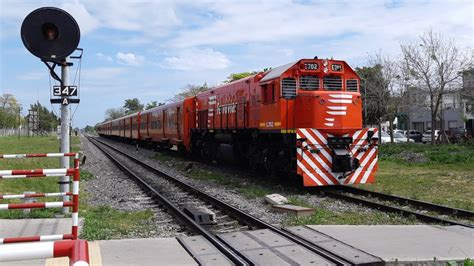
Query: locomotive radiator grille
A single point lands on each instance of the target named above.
(288, 88)
(309, 83)
(332, 83)
(351, 85)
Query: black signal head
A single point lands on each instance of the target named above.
(50, 33)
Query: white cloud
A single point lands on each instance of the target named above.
(104, 57)
(197, 59)
(101, 73)
(86, 21)
(129, 59)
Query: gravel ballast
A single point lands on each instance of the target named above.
(110, 187)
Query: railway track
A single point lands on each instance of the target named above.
(228, 217)
(404, 206)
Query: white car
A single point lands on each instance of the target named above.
(400, 138)
(397, 138)
(427, 136)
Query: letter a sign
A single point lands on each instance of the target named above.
(65, 101)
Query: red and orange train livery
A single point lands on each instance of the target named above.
(301, 119)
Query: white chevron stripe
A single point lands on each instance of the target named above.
(339, 101)
(300, 165)
(345, 96)
(343, 108)
(369, 171)
(336, 112)
(329, 124)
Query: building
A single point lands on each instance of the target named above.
(456, 108)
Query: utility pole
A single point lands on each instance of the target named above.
(64, 142)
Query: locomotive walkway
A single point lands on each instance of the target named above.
(391, 243)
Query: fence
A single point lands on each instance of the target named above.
(23, 132)
(69, 245)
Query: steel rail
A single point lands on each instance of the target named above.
(239, 214)
(416, 203)
(237, 259)
(392, 209)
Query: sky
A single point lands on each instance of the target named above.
(152, 49)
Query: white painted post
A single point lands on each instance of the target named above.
(64, 185)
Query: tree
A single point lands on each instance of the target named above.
(132, 106)
(237, 76)
(190, 91)
(435, 65)
(9, 111)
(381, 91)
(153, 104)
(114, 113)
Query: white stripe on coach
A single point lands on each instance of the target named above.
(27, 251)
(345, 96)
(51, 237)
(1, 241)
(75, 219)
(53, 204)
(3, 206)
(75, 187)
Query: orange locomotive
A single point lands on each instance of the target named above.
(301, 119)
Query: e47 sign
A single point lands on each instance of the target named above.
(65, 91)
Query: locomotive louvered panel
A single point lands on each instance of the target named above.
(332, 83)
(351, 85)
(288, 88)
(310, 83)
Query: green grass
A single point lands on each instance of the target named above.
(12, 145)
(322, 215)
(100, 222)
(446, 177)
(249, 190)
(104, 222)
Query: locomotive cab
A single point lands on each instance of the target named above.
(321, 103)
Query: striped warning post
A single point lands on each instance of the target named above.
(76, 250)
(35, 195)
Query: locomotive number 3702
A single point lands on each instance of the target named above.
(311, 66)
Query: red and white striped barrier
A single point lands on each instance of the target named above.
(76, 250)
(35, 195)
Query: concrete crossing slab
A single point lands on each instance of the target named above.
(406, 243)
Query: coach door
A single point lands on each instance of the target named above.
(178, 124)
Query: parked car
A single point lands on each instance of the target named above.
(400, 138)
(403, 132)
(385, 137)
(414, 135)
(427, 136)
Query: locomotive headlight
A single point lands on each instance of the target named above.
(326, 70)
